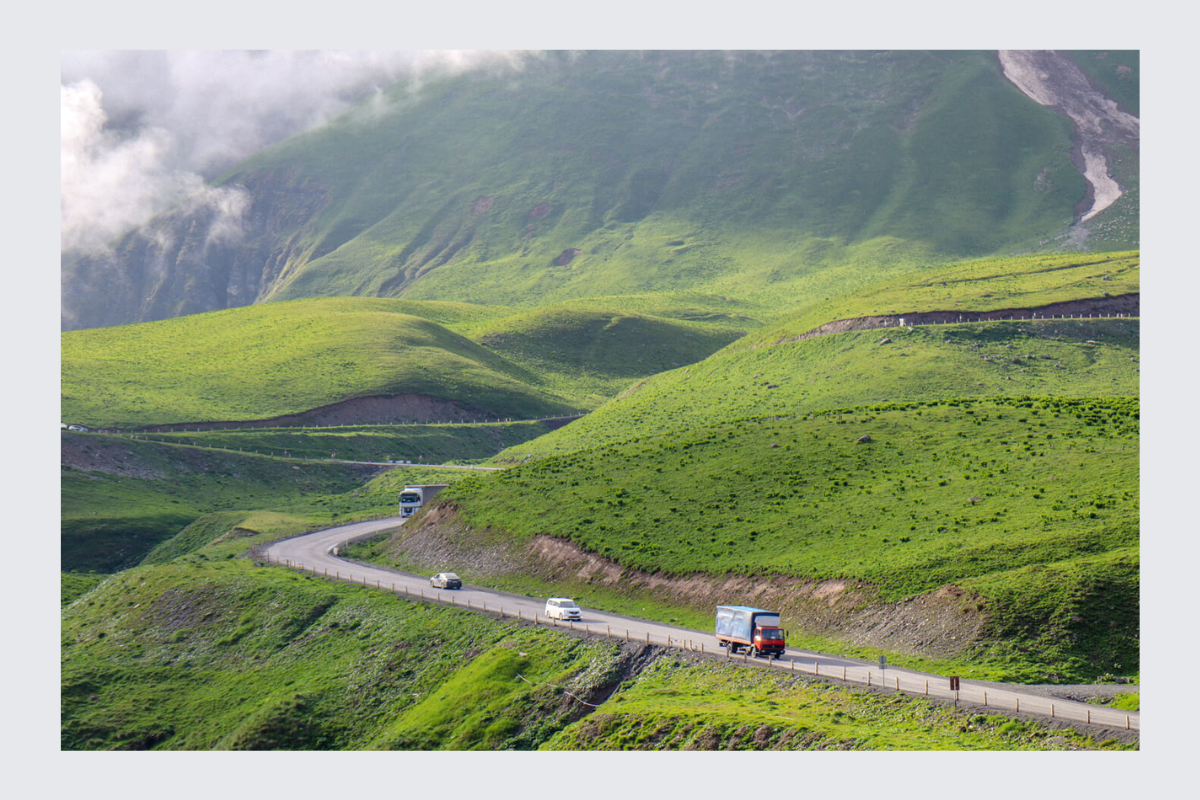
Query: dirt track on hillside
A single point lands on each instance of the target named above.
(1127, 305)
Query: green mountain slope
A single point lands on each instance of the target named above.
(611, 173)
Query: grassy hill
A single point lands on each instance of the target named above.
(157, 658)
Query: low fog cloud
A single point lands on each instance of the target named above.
(143, 129)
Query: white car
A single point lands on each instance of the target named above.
(562, 608)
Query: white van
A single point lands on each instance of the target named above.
(562, 608)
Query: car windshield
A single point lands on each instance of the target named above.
(410, 497)
(772, 633)
(450, 576)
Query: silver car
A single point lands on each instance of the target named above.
(445, 580)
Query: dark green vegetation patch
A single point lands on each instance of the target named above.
(122, 499)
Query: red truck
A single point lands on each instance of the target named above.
(755, 628)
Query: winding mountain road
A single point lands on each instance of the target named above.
(317, 553)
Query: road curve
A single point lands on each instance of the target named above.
(317, 553)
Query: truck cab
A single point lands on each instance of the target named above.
(413, 497)
(768, 641)
(410, 500)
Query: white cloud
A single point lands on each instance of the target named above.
(143, 129)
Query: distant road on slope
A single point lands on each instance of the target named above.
(317, 553)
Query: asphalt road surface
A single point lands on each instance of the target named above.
(317, 553)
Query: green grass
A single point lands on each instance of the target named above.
(1117, 72)
(812, 494)
(679, 704)
(1130, 701)
(76, 584)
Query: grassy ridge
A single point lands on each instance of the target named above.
(1065, 358)
(127, 497)
(208, 654)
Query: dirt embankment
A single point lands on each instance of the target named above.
(1126, 305)
(939, 624)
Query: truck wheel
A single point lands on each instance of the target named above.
(754, 651)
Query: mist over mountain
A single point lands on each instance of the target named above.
(557, 176)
